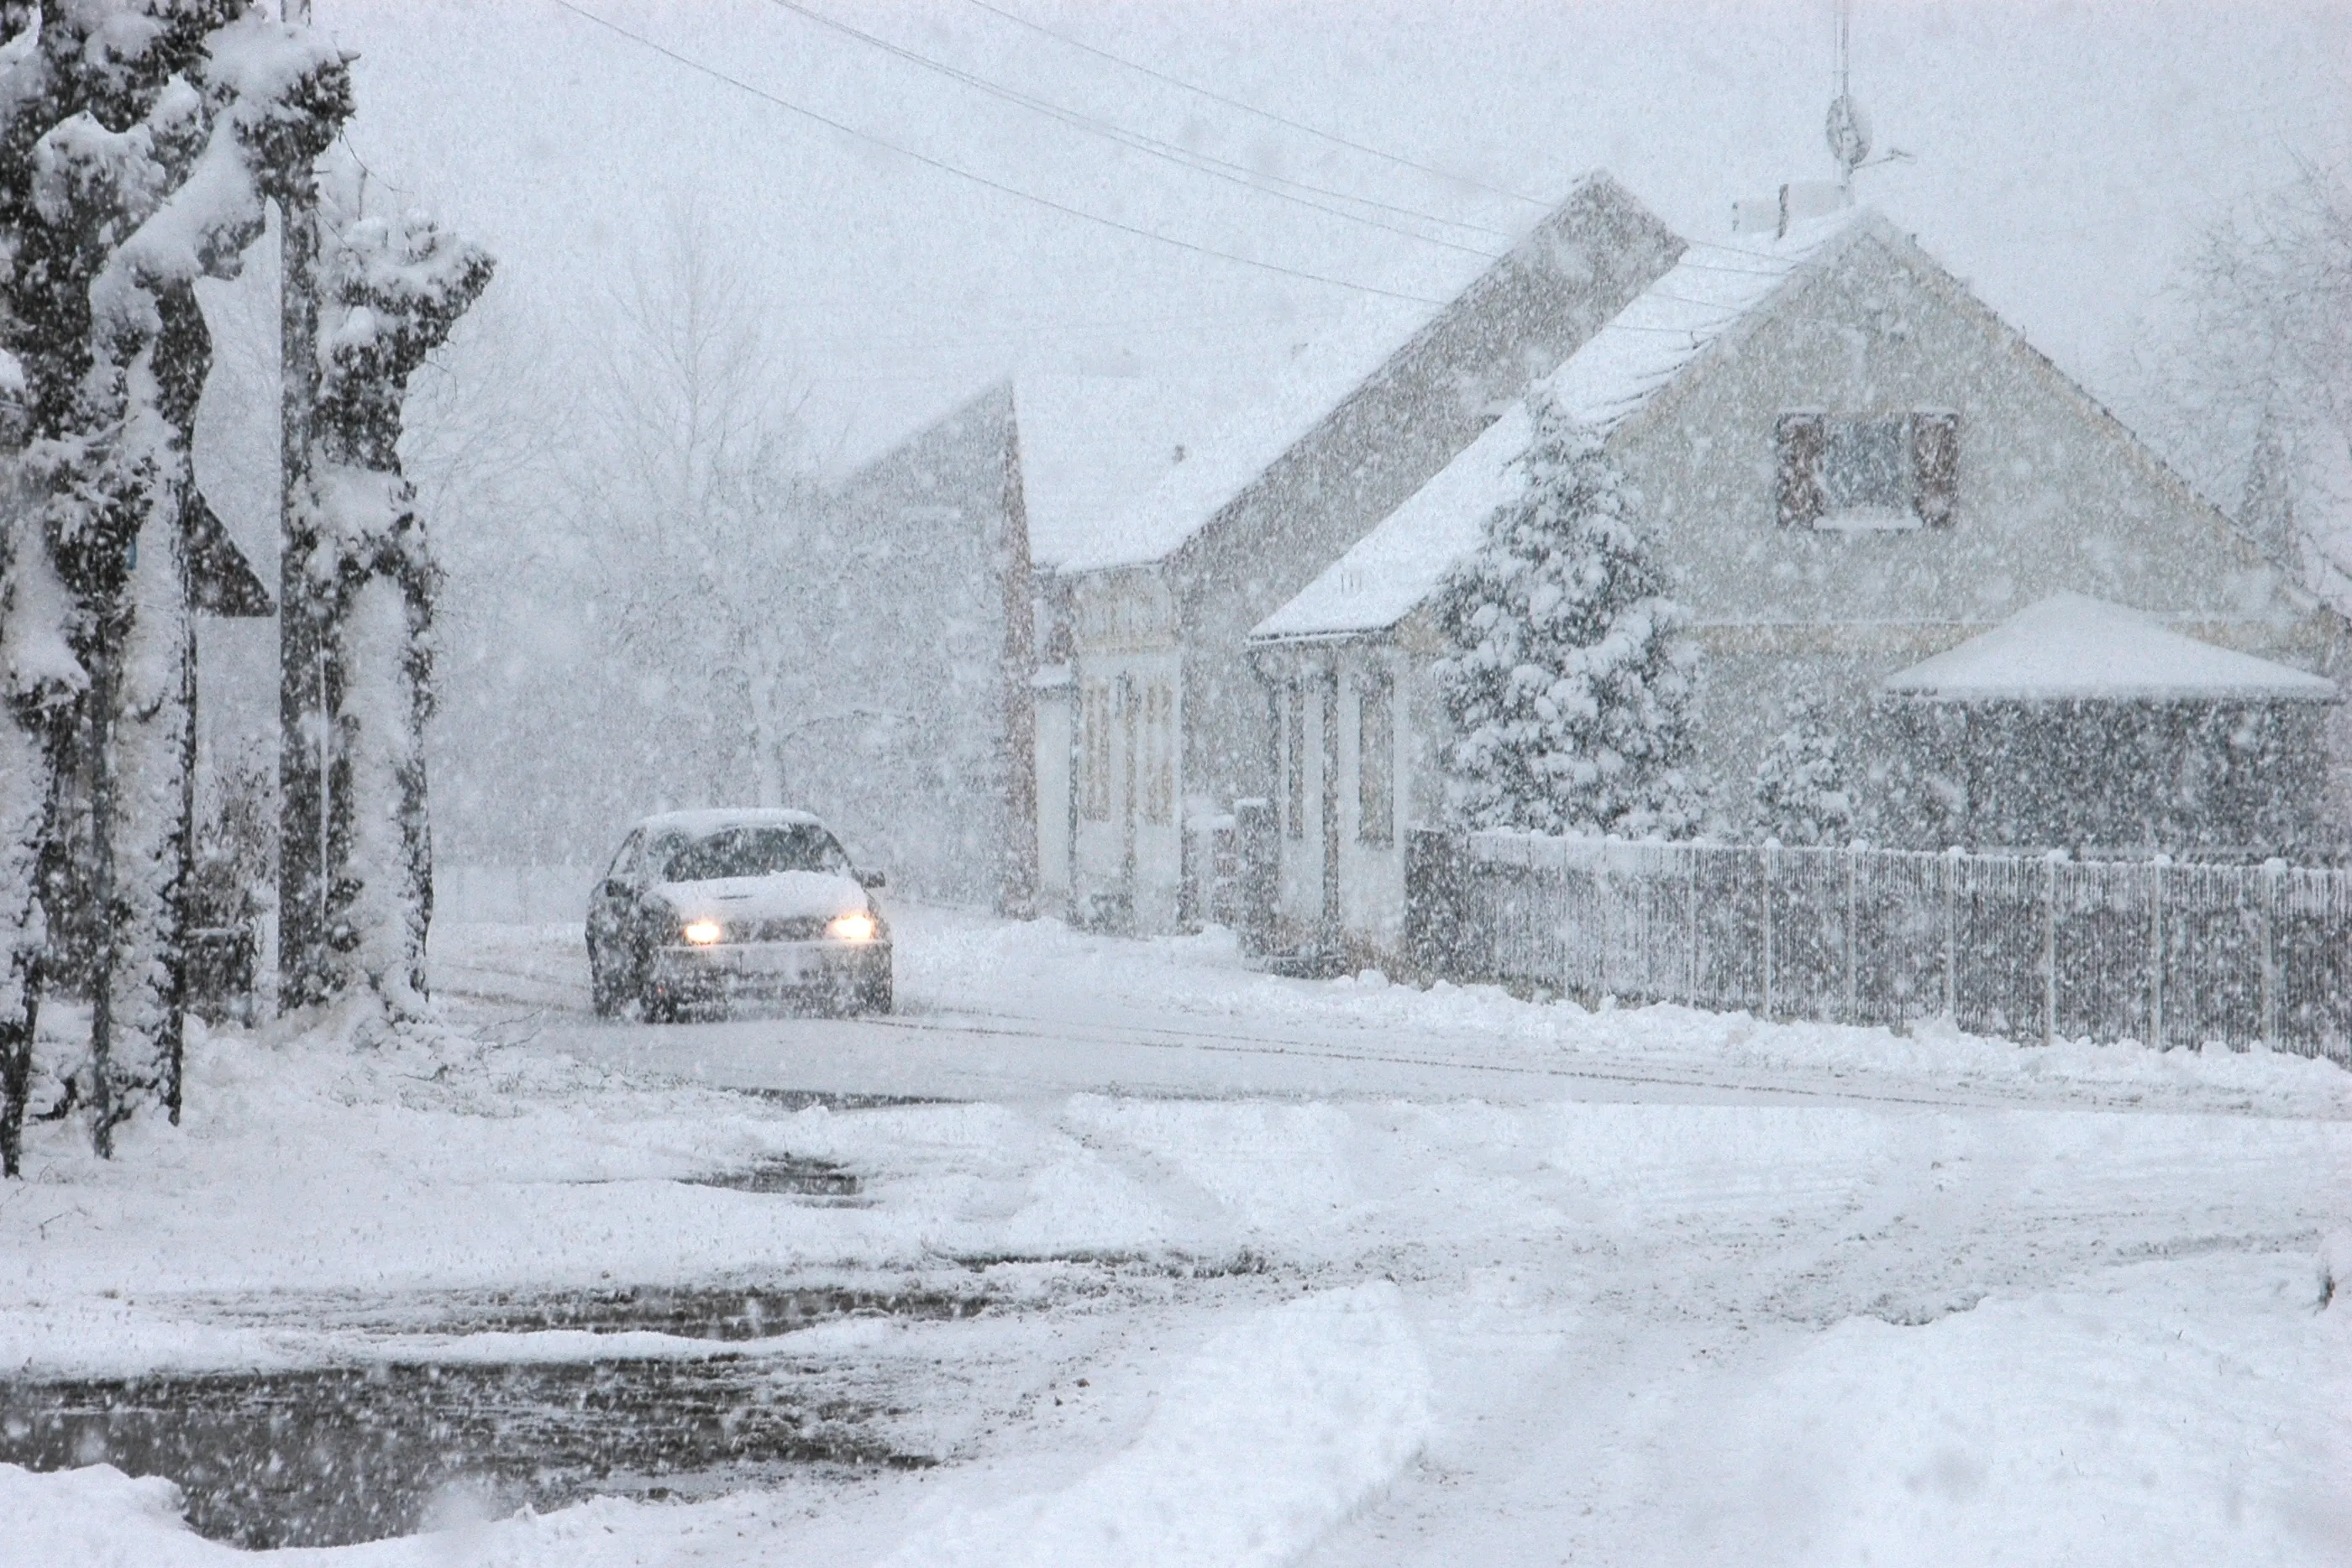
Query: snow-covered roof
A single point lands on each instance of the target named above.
(1641, 349)
(2072, 647)
(1090, 445)
(1675, 321)
(1386, 573)
(1254, 431)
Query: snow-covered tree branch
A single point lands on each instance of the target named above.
(1802, 795)
(720, 577)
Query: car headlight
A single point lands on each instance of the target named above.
(702, 933)
(855, 926)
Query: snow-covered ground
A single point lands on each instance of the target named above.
(1273, 1272)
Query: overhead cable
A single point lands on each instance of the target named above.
(1267, 114)
(1183, 157)
(998, 186)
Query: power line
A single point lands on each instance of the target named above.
(1014, 191)
(1183, 157)
(1266, 114)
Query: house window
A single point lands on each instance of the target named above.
(1375, 764)
(1159, 753)
(1294, 760)
(1095, 725)
(1891, 471)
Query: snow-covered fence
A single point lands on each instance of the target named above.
(2031, 948)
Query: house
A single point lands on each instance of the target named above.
(925, 754)
(1850, 465)
(1165, 724)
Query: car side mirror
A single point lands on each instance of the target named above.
(871, 877)
(616, 888)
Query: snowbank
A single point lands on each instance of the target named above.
(1278, 1428)
(2187, 1413)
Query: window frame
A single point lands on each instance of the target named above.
(1806, 442)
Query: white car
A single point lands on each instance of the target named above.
(701, 907)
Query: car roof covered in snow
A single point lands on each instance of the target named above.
(2072, 647)
(1668, 327)
(712, 820)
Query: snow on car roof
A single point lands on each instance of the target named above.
(1644, 348)
(711, 820)
(2071, 646)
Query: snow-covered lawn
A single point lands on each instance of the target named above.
(2071, 1313)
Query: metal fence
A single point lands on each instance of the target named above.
(2033, 949)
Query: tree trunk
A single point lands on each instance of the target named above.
(302, 889)
(147, 840)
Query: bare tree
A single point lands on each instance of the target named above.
(707, 491)
(2252, 389)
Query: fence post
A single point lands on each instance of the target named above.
(1690, 854)
(1952, 935)
(2156, 950)
(1852, 906)
(2270, 870)
(1771, 871)
(2050, 945)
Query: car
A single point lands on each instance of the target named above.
(701, 908)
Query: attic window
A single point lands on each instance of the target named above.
(1887, 472)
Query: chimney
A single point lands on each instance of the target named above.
(1799, 201)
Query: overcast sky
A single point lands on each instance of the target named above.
(2060, 156)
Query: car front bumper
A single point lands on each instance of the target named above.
(724, 969)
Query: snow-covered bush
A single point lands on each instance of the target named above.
(1801, 796)
(1571, 677)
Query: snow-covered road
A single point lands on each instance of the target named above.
(1285, 1271)
(991, 1010)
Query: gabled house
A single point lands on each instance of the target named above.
(1849, 464)
(1165, 724)
(924, 752)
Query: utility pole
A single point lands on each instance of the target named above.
(301, 678)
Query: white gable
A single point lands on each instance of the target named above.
(2072, 647)
(1666, 328)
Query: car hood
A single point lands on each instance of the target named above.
(787, 895)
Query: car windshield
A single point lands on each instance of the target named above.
(753, 851)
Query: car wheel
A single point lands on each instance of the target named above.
(604, 993)
(656, 1005)
(873, 995)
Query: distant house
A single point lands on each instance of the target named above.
(1851, 467)
(1153, 718)
(926, 751)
